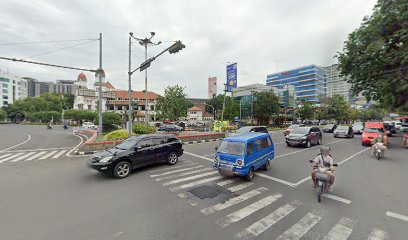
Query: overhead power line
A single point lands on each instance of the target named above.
(55, 41)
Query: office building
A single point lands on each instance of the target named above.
(12, 88)
(212, 87)
(37, 88)
(337, 85)
(309, 82)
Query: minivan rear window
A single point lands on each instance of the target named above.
(233, 148)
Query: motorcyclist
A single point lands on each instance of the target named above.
(49, 125)
(65, 125)
(324, 159)
(379, 142)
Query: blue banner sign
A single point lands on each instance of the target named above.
(231, 76)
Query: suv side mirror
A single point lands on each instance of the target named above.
(138, 148)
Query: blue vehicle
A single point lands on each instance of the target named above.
(243, 154)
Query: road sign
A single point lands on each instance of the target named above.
(231, 76)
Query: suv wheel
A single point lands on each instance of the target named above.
(308, 144)
(122, 169)
(172, 158)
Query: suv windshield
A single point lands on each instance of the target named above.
(233, 148)
(128, 144)
(301, 130)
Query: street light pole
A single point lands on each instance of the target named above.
(130, 89)
(100, 88)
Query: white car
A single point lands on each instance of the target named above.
(89, 125)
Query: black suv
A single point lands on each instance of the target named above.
(136, 152)
(306, 136)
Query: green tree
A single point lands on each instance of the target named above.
(375, 56)
(3, 115)
(306, 111)
(173, 105)
(231, 109)
(337, 108)
(109, 118)
(266, 103)
(80, 115)
(215, 102)
(68, 101)
(45, 116)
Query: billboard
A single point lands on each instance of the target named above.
(231, 76)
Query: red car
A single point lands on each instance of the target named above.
(372, 130)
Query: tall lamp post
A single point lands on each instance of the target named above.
(145, 42)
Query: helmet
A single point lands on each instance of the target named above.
(325, 150)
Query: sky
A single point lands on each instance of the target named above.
(261, 36)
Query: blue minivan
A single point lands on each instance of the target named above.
(243, 154)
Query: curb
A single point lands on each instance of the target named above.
(202, 141)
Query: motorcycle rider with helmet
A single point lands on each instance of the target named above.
(379, 142)
(324, 159)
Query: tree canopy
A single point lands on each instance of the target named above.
(375, 56)
(173, 105)
(306, 111)
(266, 103)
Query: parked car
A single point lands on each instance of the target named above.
(390, 127)
(397, 124)
(305, 136)
(358, 127)
(137, 152)
(170, 128)
(89, 125)
(372, 130)
(291, 127)
(329, 128)
(248, 129)
(343, 131)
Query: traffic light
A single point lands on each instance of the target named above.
(146, 64)
(177, 46)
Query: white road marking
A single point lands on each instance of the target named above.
(5, 155)
(48, 155)
(378, 234)
(77, 146)
(166, 168)
(238, 187)
(209, 155)
(175, 171)
(199, 156)
(22, 157)
(28, 139)
(182, 195)
(233, 201)
(226, 182)
(188, 178)
(302, 226)
(397, 216)
(59, 154)
(196, 183)
(333, 197)
(36, 149)
(10, 157)
(342, 230)
(306, 149)
(265, 223)
(248, 210)
(183, 174)
(35, 156)
(275, 179)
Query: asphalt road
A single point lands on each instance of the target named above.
(60, 198)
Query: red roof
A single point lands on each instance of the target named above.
(135, 94)
(108, 85)
(81, 77)
(195, 109)
(206, 114)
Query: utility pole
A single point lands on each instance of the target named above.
(100, 88)
(130, 121)
(223, 104)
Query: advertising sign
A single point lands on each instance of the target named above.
(231, 76)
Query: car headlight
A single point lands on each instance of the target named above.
(240, 162)
(105, 159)
(216, 159)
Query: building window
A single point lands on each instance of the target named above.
(119, 107)
(80, 106)
(89, 107)
(5, 90)
(5, 97)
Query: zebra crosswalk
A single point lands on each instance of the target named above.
(256, 208)
(30, 155)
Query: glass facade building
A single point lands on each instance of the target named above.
(309, 82)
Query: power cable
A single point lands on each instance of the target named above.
(55, 41)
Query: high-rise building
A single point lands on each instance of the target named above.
(12, 88)
(337, 85)
(212, 87)
(309, 82)
(37, 88)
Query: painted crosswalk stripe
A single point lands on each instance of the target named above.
(302, 226)
(248, 210)
(233, 201)
(378, 234)
(48, 155)
(10, 157)
(196, 183)
(179, 165)
(35, 156)
(22, 157)
(265, 223)
(188, 178)
(342, 230)
(183, 174)
(5, 155)
(175, 171)
(59, 154)
(226, 182)
(238, 187)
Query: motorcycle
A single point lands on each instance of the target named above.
(49, 127)
(322, 180)
(65, 127)
(379, 150)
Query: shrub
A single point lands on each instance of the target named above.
(143, 129)
(79, 114)
(109, 118)
(121, 134)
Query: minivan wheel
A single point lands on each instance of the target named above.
(319, 141)
(308, 144)
(267, 165)
(172, 158)
(122, 169)
(250, 175)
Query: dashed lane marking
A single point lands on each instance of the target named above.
(397, 216)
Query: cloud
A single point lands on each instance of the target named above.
(261, 36)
